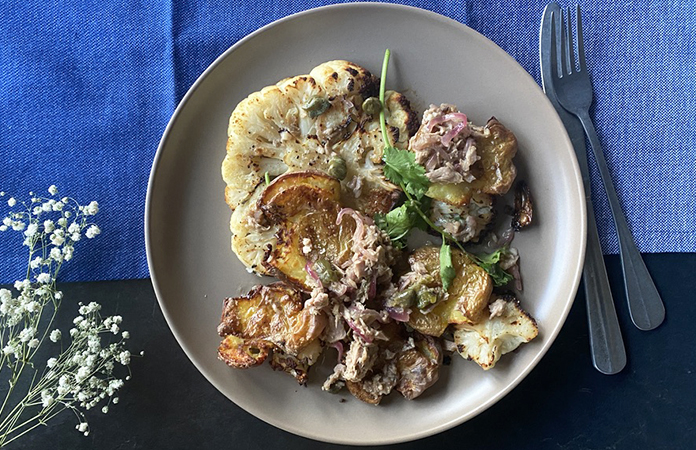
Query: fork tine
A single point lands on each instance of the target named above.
(571, 49)
(555, 70)
(581, 47)
(565, 57)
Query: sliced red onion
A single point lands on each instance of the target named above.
(313, 274)
(437, 120)
(372, 290)
(399, 314)
(357, 331)
(359, 225)
(342, 213)
(446, 139)
(338, 345)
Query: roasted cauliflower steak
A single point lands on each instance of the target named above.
(309, 122)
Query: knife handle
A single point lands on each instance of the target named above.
(606, 342)
(644, 303)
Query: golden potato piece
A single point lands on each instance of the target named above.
(305, 208)
(418, 368)
(273, 313)
(468, 293)
(328, 185)
(494, 172)
(243, 353)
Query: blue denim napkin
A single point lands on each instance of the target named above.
(87, 88)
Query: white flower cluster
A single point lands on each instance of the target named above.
(85, 373)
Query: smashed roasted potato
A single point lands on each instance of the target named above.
(268, 318)
(466, 299)
(495, 172)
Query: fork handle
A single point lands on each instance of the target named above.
(606, 342)
(644, 303)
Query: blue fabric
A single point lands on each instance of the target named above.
(87, 88)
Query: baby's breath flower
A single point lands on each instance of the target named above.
(55, 335)
(92, 208)
(92, 231)
(57, 239)
(43, 278)
(83, 374)
(31, 229)
(26, 334)
(46, 398)
(56, 254)
(124, 357)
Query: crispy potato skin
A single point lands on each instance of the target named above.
(494, 172)
(304, 205)
(243, 353)
(272, 315)
(468, 295)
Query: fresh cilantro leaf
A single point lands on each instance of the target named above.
(447, 272)
(401, 168)
(398, 222)
(490, 263)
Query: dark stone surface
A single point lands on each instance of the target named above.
(563, 404)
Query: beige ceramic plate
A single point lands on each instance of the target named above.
(434, 60)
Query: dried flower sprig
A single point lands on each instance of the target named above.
(82, 375)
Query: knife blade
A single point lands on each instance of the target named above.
(606, 342)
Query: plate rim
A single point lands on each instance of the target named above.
(551, 334)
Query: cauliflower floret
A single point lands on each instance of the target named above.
(486, 341)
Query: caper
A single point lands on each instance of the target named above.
(372, 106)
(337, 167)
(426, 297)
(317, 106)
(403, 299)
(324, 271)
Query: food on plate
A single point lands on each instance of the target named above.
(323, 121)
(503, 331)
(327, 176)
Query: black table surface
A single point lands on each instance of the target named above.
(564, 403)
